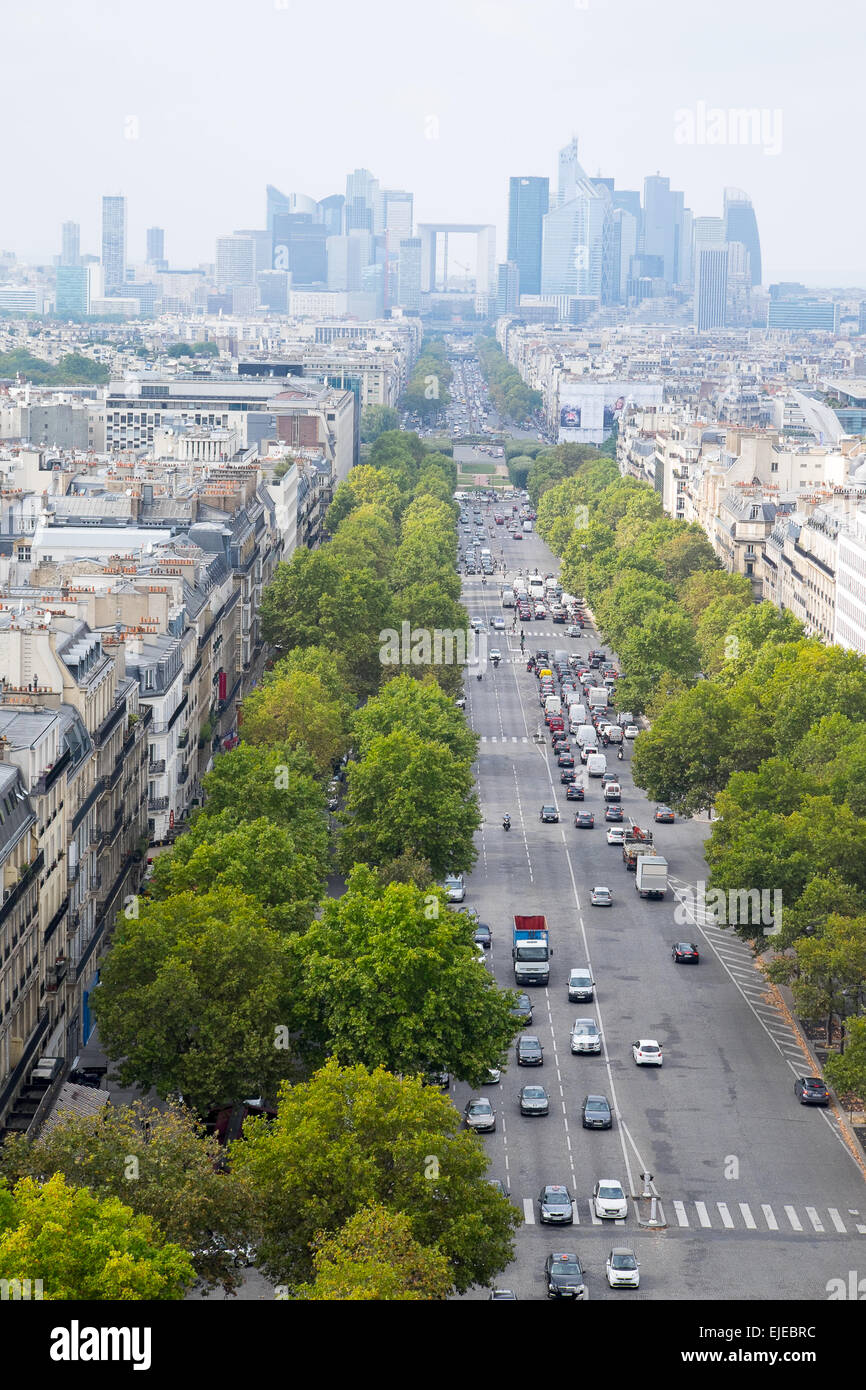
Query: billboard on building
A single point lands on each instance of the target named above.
(588, 410)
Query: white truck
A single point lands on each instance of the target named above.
(598, 697)
(586, 734)
(651, 875)
(553, 705)
(596, 764)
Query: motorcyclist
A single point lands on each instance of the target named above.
(506, 821)
(619, 755)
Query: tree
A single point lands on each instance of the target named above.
(161, 1163)
(85, 1247)
(390, 978)
(375, 420)
(293, 707)
(418, 708)
(259, 858)
(350, 1139)
(847, 1073)
(409, 793)
(685, 758)
(277, 782)
(828, 971)
(702, 587)
(194, 996)
(375, 1257)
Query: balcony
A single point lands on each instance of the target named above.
(183, 776)
(156, 769)
(157, 804)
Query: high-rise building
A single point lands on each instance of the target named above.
(662, 226)
(508, 287)
(409, 274)
(573, 233)
(528, 204)
(235, 262)
(363, 202)
(332, 214)
(70, 253)
(300, 247)
(278, 204)
(113, 242)
(711, 285)
(273, 288)
(623, 240)
(73, 290)
(804, 315)
(262, 249)
(862, 326)
(398, 214)
(741, 225)
(156, 246)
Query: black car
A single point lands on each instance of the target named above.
(595, 1113)
(573, 792)
(685, 953)
(810, 1090)
(665, 815)
(483, 936)
(555, 1205)
(549, 814)
(523, 1008)
(564, 1276)
(530, 1053)
(565, 758)
(542, 656)
(567, 776)
(584, 820)
(613, 813)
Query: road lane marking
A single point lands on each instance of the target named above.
(702, 1214)
(837, 1220)
(815, 1220)
(727, 1219)
(749, 1219)
(680, 1213)
(529, 1211)
(770, 1218)
(793, 1218)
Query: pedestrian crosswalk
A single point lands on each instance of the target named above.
(504, 738)
(692, 1214)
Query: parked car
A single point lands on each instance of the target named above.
(455, 888)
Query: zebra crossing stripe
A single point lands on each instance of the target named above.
(836, 1219)
(793, 1218)
(770, 1218)
(514, 738)
(815, 1220)
(529, 1211)
(596, 1220)
(680, 1211)
(702, 1214)
(727, 1219)
(575, 1213)
(749, 1219)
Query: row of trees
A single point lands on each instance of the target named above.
(428, 390)
(513, 399)
(73, 369)
(238, 975)
(750, 717)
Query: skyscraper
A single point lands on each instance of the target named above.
(332, 214)
(508, 287)
(363, 202)
(235, 262)
(70, 253)
(300, 246)
(73, 290)
(662, 214)
(155, 246)
(741, 225)
(398, 214)
(113, 242)
(573, 233)
(528, 203)
(711, 284)
(409, 274)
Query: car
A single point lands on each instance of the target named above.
(601, 897)
(455, 888)
(479, 1115)
(564, 1275)
(540, 612)
(647, 1052)
(481, 954)
(567, 776)
(630, 731)
(559, 742)
(530, 1053)
(621, 1268)
(581, 985)
(476, 624)
(613, 812)
(493, 1077)
(534, 1100)
(810, 1090)
(495, 654)
(483, 936)
(549, 815)
(595, 1113)
(574, 630)
(609, 1201)
(685, 953)
(503, 1296)
(616, 834)
(584, 820)
(523, 1008)
(565, 758)
(441, 1079)
(498, 624)
(517, 535)
(556, 1205)
(665, 815)
(585, 1036)
(573, 792)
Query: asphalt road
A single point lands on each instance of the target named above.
(760, 1197)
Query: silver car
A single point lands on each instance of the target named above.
(534, 1100)
(455, 888)
(585, 1036)
(480, 1115)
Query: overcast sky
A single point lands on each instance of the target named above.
(189, 108)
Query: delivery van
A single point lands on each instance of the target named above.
(586, 734)
(596, 764)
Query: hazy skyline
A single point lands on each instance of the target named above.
(190, 110)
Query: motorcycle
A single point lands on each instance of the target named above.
(478, 677)
(619, 755)
(506, 822)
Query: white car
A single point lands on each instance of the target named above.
(621, 1268)
(616, 835)
(455, 888)
(585, 1036)
(493, 1077)
(499, 624)
(476, 624)
(647, 1052)
(630, 731)
(601, 897)
(609, 1201)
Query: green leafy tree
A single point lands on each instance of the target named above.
(827, 972)
(376, 1257)
(86, 1248)
(391, 978)
(417, 708)
(686, 757)
(277, 782)
(349, 1139)
(410, 793)
(375, 420)
(847, 1073)
(194, 996)
(161, 1164)
(293, 707)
